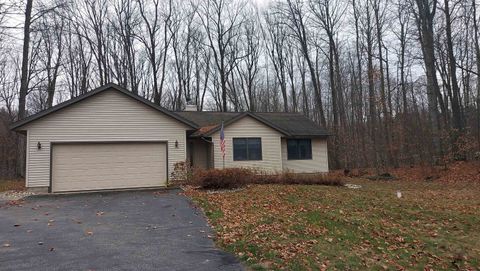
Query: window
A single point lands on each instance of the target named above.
(299, 149)
(247, 149)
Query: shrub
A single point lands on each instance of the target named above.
(360, 172)
(302, 179)
(230, 178)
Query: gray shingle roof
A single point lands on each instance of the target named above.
(207, 118)
(205, 123)
(290, 124)
(294, 123)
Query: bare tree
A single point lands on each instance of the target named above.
(424, 15)
(51, 39)
(125, 25)
(222, 20)
(249, 67)
(477, 54)
(152, 19)
(276, 44)
(25, 57)
(296, 22)
(457, 114)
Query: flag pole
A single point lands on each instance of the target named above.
(223, 155)
(222, 145)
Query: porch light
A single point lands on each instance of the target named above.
(176, 143)
(39, 145)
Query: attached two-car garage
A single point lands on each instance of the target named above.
(108, 138)
(111, 165)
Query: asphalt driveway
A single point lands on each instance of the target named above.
(142, 230)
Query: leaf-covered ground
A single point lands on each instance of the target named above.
(7, 185)
(433, 226)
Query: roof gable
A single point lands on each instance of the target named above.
(243, 115)
(289, 124)
(18, 124)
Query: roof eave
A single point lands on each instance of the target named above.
(20, 123)
(309, 136)
(241, 116)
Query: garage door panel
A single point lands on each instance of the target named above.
(107, 161)
(103, 186)
(87, 166)
(102, 153)
(82, 175)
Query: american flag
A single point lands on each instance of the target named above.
(222, 141)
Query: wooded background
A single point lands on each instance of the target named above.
(395, 81)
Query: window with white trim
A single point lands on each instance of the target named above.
(247, 149)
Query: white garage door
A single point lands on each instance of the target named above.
(95, 166)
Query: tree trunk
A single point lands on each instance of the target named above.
(425, 21)
(477, 54)
(25, 61)
(24, 87)
(456, 112)
(383, 102)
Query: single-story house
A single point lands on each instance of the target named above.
(110, 138)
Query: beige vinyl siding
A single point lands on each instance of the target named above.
(107, 116)
(84, 166)
(249, 127)
(318, 163)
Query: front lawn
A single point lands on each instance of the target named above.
(434, 225)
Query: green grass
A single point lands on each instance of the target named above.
(434, 225)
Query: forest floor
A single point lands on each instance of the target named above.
(434, 225)
(9, 185)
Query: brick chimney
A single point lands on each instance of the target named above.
(191, 107)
